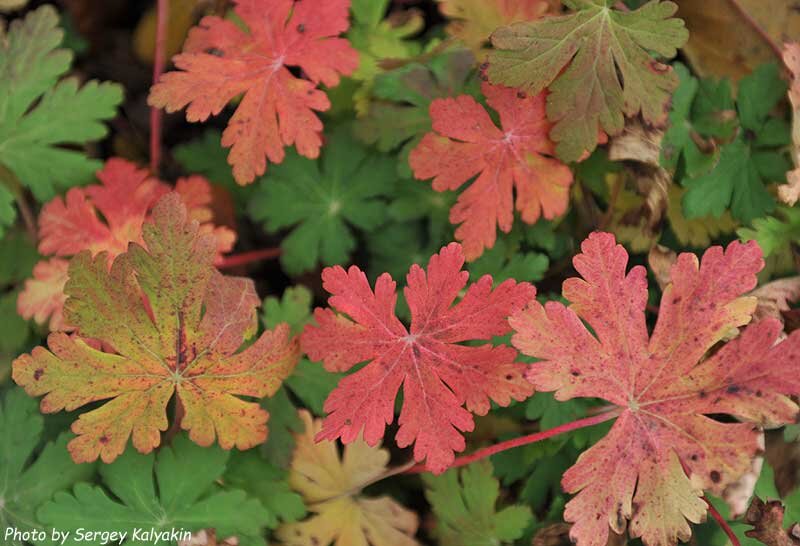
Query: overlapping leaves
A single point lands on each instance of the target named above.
(597, 64)
(175, 324)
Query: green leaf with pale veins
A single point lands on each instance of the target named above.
(27, 482)
(39, 113)
(464, 504)
(597, 64)
(183, 495)
(323, 201)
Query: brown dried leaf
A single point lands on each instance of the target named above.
(723, 43)
(767, 520)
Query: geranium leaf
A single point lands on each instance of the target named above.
(597, 64)
(221, 61)
(175, 324)
(649, 473)
(438, 375)
(331, 486)
(513, 160)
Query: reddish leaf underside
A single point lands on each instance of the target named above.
(175, 324)
(220, 62)
(105, 217)
(438, 375)
(514, 160)
(664, 449)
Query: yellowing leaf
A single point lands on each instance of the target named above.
(331, 487)
(175, 324)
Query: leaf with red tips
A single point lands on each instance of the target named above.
(664, 449)
(439, 376)
(600, 63)
(220, 62)
(105, 217)
(514, 158)
(175, 324)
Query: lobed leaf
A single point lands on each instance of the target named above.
(596, 63)
(221, 61)
(175, 325)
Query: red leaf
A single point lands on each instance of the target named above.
(466, 143)
(105, 217)
(664, 449)
(438, 374)
(220, 62)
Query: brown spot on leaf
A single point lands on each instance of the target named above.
(715, 476)
(38, 374)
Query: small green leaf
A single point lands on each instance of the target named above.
(263, 481)
(464, 503)
(340, 192)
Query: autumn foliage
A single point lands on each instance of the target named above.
(593, 208)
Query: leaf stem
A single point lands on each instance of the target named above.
(525, 440)
(245, 258)
(722, 523)
(159, 62)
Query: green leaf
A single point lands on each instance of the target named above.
(597, 64)
(759, 93)
(376, 39)
(294, 308)
(464, 503)
(39, 113)
(735, 182)
(283, 423)
(312, 384)
(506, 261)
(340, 191)
(206, 156)
(263, 481)
(26, 485)
(400, 118)
(679, 140)
(309, 382)
(182, 496)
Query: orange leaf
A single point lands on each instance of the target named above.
(220, 61)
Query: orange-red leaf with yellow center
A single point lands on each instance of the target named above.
(668, 443)
(175, 325)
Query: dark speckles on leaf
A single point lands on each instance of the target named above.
(703, 394)
(575, 373)
(715, 476)
(37, 375)
(314, 541)
(416, 352)
(104, 439)
(733, 389)
(348, 422)
(694, 457)
(509, 377)
(301, 28)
